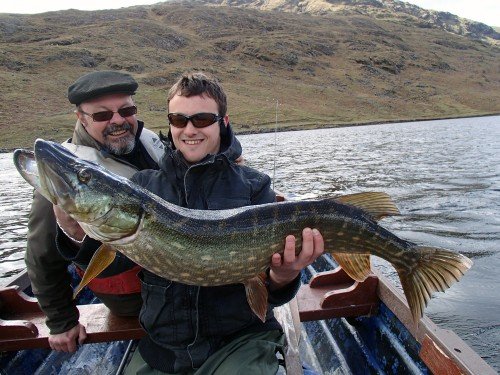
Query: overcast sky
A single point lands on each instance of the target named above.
(486, 11)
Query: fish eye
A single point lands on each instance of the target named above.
(84, 175)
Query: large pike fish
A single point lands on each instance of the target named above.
(208, 248)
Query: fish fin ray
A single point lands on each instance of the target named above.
(436, 270)
(377, 204)
(102, 258)
(257, 294)
(357, 266)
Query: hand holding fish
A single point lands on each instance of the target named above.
(68, 225)
(285, 268)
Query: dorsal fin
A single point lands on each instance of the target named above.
(377, 204)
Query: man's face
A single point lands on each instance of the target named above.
(195, 143)
(116, 134)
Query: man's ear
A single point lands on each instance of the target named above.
(223, 122)
(79, 116)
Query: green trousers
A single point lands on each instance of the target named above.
(252, 354)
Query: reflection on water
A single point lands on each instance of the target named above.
(443, 175)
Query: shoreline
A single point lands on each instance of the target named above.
(284, 128)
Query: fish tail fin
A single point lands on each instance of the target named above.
(357, 266)
(435, 271)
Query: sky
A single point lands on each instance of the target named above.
(486, 11)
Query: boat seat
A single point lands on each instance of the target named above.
(22, 322)
(328, 295)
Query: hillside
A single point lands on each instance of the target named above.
(326, 68)
(394, 10)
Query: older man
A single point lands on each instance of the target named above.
(106, 132)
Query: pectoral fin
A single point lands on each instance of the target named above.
(378, 205)
(256, 291)
(357, 266)
(102, 258)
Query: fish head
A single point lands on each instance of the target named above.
(103, 203)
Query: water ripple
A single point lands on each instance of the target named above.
(445, 178)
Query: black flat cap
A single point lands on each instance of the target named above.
(95, 84)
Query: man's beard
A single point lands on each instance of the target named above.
(119, 146)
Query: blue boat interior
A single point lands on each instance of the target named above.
(379, 344)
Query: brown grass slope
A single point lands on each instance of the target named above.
(328, 70)
(381, 9)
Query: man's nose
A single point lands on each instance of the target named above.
(190, 127)
(117, 118)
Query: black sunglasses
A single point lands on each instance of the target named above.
(199, 120)
(108, 115)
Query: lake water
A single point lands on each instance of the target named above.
(443, 175)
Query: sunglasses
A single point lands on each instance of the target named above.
(108, 115)
(199, 120)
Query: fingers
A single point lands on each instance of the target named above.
(319, 244)
(82, 335)
(276, 260)
(63, 345)
(312, 247)
(71, 346)
(307, 245)
(67, 341)
(289, 252)
(68, 225)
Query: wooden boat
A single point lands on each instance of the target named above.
(334, 325)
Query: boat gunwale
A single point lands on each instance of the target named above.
(445, 342)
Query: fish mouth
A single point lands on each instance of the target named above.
(53, 163)
(25, 163)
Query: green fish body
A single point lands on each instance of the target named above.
(209, 248)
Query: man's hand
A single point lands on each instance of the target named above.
(66, 341)
(285, 268)
(69, 225)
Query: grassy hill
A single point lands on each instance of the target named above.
(326, 69)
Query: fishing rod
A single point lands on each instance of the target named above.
(275, 142)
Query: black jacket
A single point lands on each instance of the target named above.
(186, 324)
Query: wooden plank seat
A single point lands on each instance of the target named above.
(328, 295)
(22, 323)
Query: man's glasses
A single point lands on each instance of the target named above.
(108, 115)
(199, 120)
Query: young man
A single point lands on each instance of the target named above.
(106, 132)
(211, 329)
